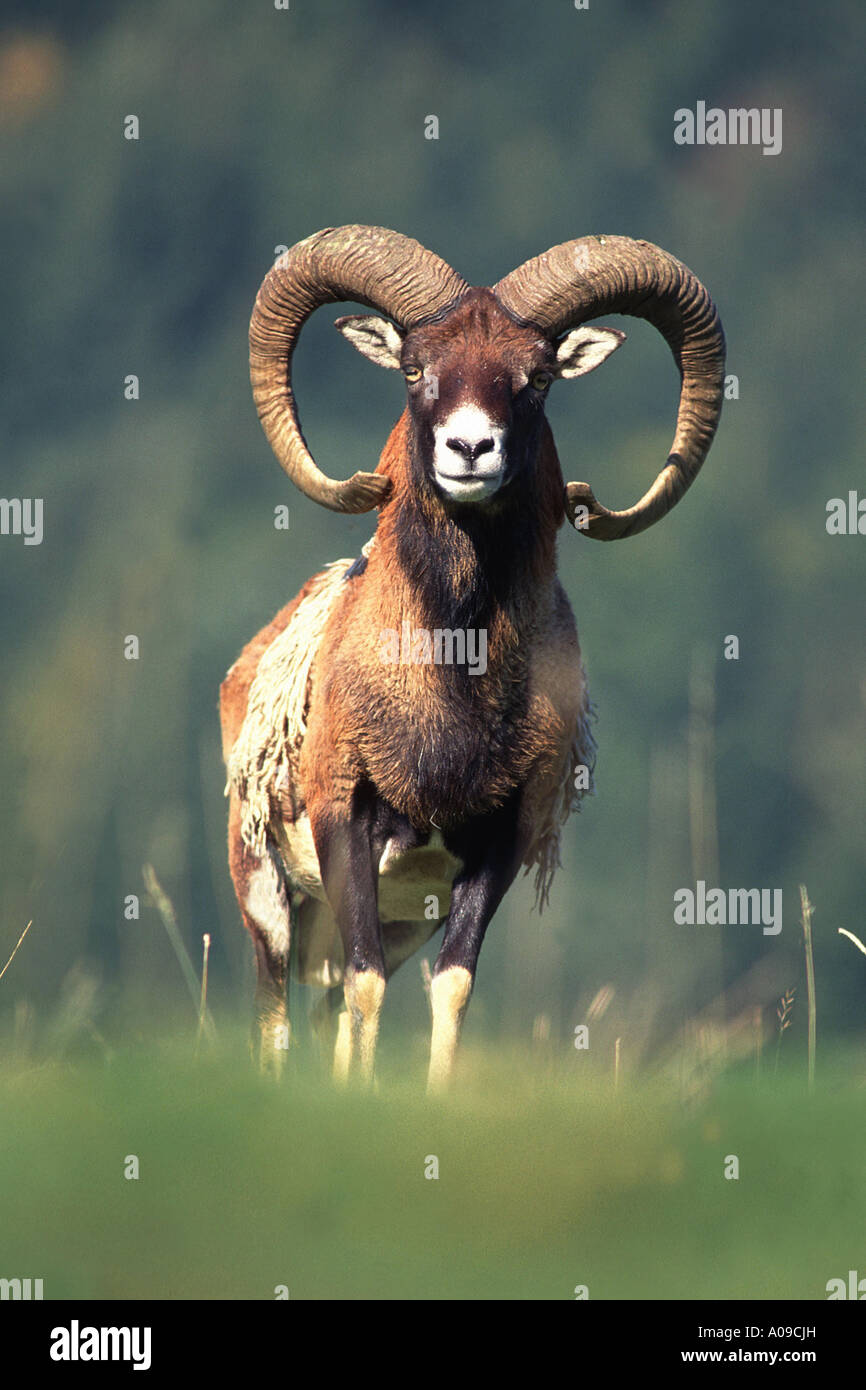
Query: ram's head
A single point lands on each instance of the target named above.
(479, 362)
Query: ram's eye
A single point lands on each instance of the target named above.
(541, 381)
(412, 374)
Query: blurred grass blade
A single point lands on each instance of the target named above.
(202, 1009)
(12, 957)
(807, 910)
(165, 908)
(851, 937)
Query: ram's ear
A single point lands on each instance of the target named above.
(373, 337)
(584, 349)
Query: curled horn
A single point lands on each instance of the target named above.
(382, 269)
(580, 280)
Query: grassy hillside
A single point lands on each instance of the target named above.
(548, 1179)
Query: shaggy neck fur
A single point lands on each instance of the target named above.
(472, 566)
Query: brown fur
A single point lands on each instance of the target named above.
(372, 719)
(439, 746)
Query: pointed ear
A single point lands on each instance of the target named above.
(373, 337)
(584, 349)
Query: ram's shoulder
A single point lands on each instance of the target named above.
(557, 676)
(562, 621)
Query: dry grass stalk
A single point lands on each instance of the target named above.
(202, 1008)
(18, 943)
(784, 1011)
(163, 904)
(806, 910)
(851, 937)
(600, 1003)
(541, 1029)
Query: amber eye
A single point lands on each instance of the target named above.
(412, 374)
(541, 381)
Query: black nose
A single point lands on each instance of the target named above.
(470, 451)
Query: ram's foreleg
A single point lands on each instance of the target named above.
(490, 850)
(349, 868)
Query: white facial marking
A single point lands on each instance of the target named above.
(468, 454)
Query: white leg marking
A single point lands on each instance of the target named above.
(449, 997)
(267, 904)
(343, 1047)
(275, 1037)
(364, 991)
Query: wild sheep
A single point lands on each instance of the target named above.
(378, 794)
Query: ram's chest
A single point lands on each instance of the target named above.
(438, 749)
(434, 762)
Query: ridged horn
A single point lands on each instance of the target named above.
(391, 273)
(582, 279)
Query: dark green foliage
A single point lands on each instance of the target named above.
(144, 257)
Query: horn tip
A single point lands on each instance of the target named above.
(364, 491)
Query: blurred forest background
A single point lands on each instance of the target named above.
(257, 127)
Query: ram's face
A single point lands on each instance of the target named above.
(477, 384)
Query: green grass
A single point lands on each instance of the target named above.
(547, 1180)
